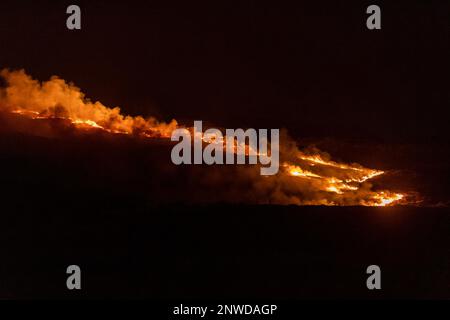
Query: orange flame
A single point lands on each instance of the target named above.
(333, 183)
(57, 99)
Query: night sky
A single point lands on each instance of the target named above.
(142, 227)
(314, 69)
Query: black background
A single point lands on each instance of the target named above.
(311, 67)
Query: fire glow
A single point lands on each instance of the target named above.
(304, 178)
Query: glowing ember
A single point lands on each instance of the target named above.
(386, 199)
(57, 99)
(341, 187)
(304, 179)
(88, 122)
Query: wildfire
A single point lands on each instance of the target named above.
(57, 99)
(304, 178)
(385, 199)
(343, 187)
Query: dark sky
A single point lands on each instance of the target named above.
(312, 68)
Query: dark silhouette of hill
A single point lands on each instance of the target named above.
(104, 203)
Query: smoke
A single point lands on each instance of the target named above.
(309, 177)
(306, 177)
(58, 99)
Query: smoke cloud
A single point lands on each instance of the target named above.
(306, 177)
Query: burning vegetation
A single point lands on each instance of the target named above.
(306, 177)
